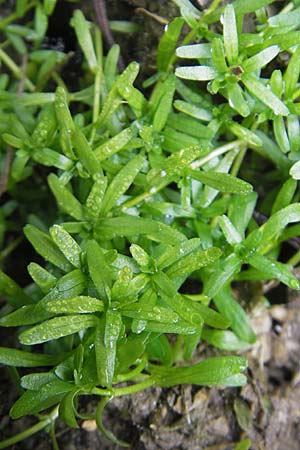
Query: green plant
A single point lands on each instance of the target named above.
(148, 201)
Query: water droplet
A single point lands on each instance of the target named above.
(153, 190)
(163, 173)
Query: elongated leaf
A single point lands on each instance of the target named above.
(82, 30)
(265, 95)
(99, 269)
(280, 220)
(181, 327)
(198, 73)
(231, 309)
(236, 99)
(218, 55)
(131, 226)
(274, 269)
(41, 277)
(14, 293)
(67, 245)
(32, 402)
(194, 51)
(45, 246)
(155, 313)
(164, 105)
(285, 195)
(194, 261)
(295, 171)
(210, 316)
(174, 253)
(81, 304)
(230, 33)
(113, 145)
(50, 158)
(67, 409)
(85, 154)
(213, 371)
(261, 59)
(224, 340)
(35, 381)
(57, 328)
(230, 232)
(121, 183)
(223, 182)
(21, 358)
(65, 199)
(292, 73)
(193, 110)
(220, 277)
(167, 44)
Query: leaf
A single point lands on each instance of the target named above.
(193, 110)
(213, 371)
(285, 195)
(85, 154)
(181, 327)
(295, 171)
(223, 182)
(107, 334)
(281, 134)
(35, 381)
(230, 33)
(210, 316)
(65, 199)
(265, 95)
(245, 134)
(32, 402)
(292, 73)
(278, 221)
(240, 211)
(167, 44)
(99, 269)
(121, 183)
(14, 293)
(50, 158)
(83, 34)
(113, 145)
(194, 51)
(194, 261)
(274, 269)
(45, 246)
(57, 328)
(224, 340)
(218, 55)
(44, 279)
(198, 73)
(67, 411)
(174, 253)
(289, 19)
(230, 232)
(153, 313)
(261, 59)
(220, 276)
(131, 226)
(76, 305)
(67, 245)
(164, 106)
(21, 358)
(233, 312)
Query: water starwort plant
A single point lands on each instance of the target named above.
(152, 224)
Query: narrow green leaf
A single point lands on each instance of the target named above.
(265, 95)
(230, 232)
(223, 182)
(292, 73)
(99, 269)
(67, 245)
(153, 313)
(194, 261)
(135, 226)
(198, 73)
(50, 158)
(232, 310)
(261, 59)
(86, 156)
(281, 134)
(244, 133)
(81, 304)
(289, 19)
(113, 145)
(45, 246)
(44, 279)
(164, 106)
(236, 99)
(32, 402)
(65, 199)
(95, 197)
(194, 51)
(295, 171)
(167, 44)
(35, 381)
(230, 33)
(219, 278)
(193, 110)
(67, 411)
(83, 34)
(12, 291)
(285, 195)
(278, 221)
(218, 55)
(57, 328)
(212, 371)
(224, 340)
(121, 183)
(21, 358)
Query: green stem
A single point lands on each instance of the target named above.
(30, 431)
(15, 70)
(294, 260)
(133, 373)
(238, 162)
(217, 152)
(127, 390)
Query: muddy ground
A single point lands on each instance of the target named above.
(266, 410)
